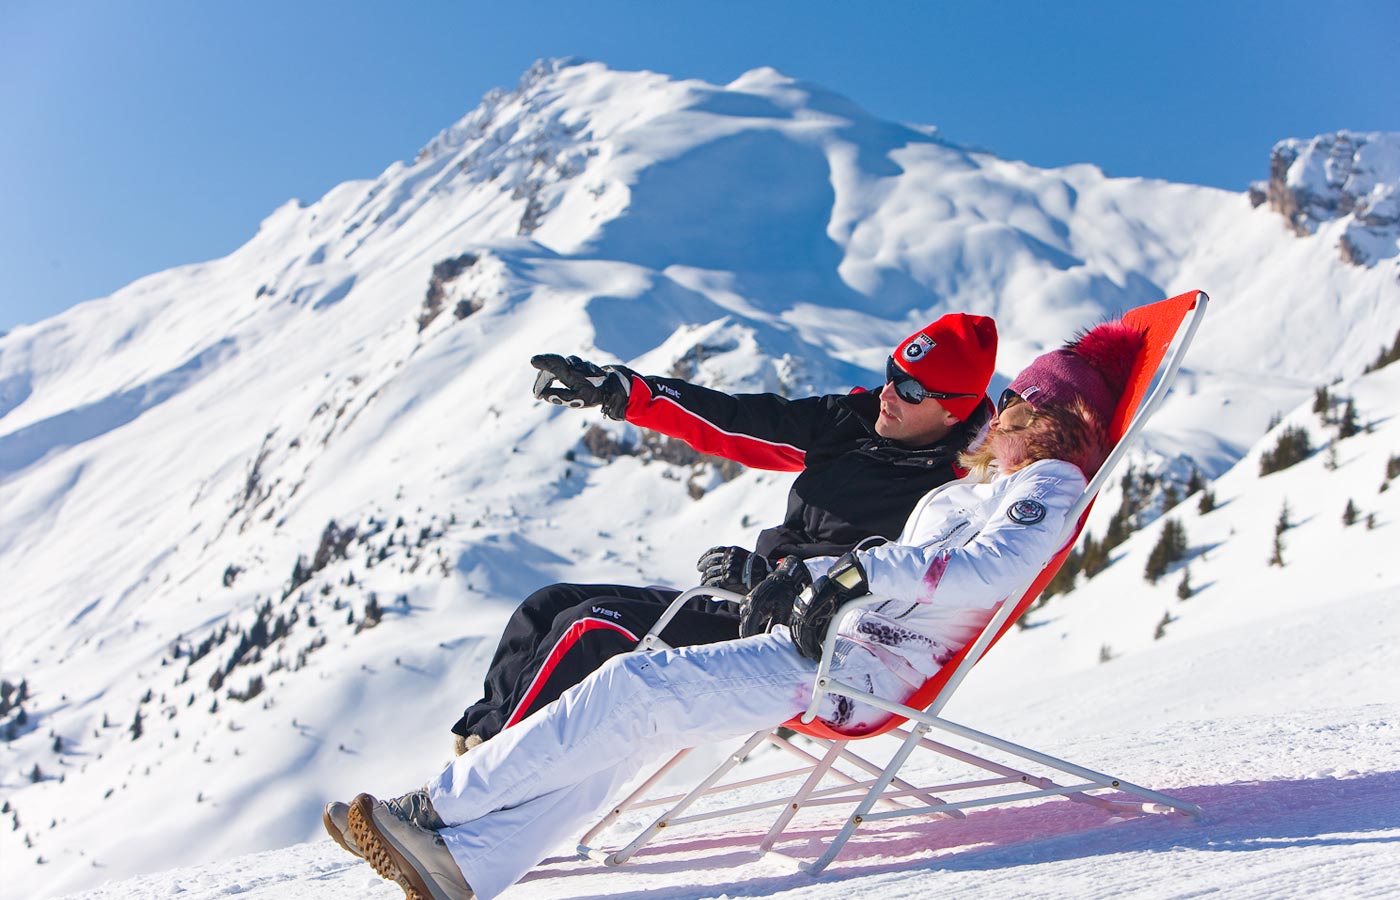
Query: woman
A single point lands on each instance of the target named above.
(493, 814)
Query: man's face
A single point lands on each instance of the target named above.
(912, 424)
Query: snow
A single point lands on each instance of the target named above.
(1297, 779)
(168, 454)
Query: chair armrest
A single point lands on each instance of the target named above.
(829, 647)
(652, 639)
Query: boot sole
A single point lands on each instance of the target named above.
(380, 852)
(338, 836)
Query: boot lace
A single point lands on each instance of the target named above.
(415, 807)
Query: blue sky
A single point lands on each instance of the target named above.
(144, 134)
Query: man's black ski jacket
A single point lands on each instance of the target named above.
(853, 483)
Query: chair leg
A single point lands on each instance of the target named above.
(627, 802)
(855, 818)
(618, 857)
(784, 817)
(1155, 798)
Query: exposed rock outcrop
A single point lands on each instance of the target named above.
(1345, 175)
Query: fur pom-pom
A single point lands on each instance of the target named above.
(1111, 348)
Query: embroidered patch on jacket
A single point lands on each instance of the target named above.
(1026, 512)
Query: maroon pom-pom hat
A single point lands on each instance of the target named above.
(1094, 367)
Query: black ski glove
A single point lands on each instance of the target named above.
(770, 603)
(814, 609)
(732, 569)
(581, 384)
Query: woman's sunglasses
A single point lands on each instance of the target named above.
(1007, 398)
(909, 390)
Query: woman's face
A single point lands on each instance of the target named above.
(1008, 434)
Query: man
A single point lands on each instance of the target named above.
(864, 460)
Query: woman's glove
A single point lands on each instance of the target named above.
(581, 384)
(732, 569)
(770, 603)
(813, 610)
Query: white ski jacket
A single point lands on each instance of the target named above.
(965, 547)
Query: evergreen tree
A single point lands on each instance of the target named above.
(1293, 447)
(1162, 626)
(1171, 546)
(1322, 402)
(1349, 514)
(1387, 356)
(1184, 589)
(1095, 558)
(1283, 524)
(1207, 502)
(1347, 426)
(1277, 558)
(136, 729)
(1062, 583)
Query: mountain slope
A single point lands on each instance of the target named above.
(274, 507)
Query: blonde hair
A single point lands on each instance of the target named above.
(1074, 433)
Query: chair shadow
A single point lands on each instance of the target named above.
(1239, 817)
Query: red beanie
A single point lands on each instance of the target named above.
(953, 355)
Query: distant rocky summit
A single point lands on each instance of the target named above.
(1345, 175)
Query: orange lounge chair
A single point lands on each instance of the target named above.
(1169, 326)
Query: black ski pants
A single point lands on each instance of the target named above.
(563, 632)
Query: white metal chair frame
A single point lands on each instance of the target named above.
(879, 783)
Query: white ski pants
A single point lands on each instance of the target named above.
(522, 794)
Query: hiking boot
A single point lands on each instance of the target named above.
(336, 818)
(413, 806)
(399, 844)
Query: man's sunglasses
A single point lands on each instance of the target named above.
(909, 390)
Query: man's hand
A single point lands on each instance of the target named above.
(814, 609)
(570, 381)
(770, 603)
(732, 569)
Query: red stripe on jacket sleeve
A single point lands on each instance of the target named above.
(672, 419)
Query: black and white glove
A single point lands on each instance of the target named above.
(570, 381)
(770, 602)
(814, 609)
(732, 569)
